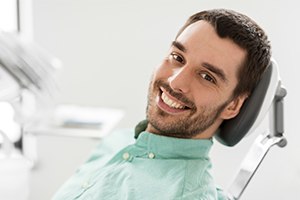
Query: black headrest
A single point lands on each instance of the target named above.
(233, 130)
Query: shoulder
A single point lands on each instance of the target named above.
(199, 183)
(112, 143)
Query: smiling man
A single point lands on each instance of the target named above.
(211, 68)
(192, 90)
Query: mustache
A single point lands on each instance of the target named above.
(177, 95)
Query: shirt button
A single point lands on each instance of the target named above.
(85, 185)
(151, 155)
(126, 156)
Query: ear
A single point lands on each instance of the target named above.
(233, 107)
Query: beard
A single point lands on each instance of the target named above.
(194, 120)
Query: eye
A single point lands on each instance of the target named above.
(207, 77)
(177, 57)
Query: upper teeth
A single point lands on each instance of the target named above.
(170, 102)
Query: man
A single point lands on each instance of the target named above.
(212, 66)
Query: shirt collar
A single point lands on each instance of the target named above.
(169, 147)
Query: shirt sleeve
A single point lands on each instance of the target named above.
(221, 194)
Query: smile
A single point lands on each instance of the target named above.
(170, 104)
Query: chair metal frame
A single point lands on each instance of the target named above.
(262, 144)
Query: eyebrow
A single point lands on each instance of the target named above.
(179, 46)
(216, 70)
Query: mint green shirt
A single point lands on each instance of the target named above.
(154, 167)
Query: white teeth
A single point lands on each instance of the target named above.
(170, 102)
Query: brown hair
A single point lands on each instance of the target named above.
(245, 33)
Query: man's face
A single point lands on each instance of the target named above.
(191, 91)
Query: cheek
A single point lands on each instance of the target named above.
(163, 71)
(206, 98)
(204, 101)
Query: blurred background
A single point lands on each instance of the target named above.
(109, 48)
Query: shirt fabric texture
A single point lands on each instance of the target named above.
(153, 167)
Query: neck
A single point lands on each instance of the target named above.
(208, 133)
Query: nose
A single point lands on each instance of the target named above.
(180, 80)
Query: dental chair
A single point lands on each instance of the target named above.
(265, 101)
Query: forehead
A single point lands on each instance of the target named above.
(203, 44)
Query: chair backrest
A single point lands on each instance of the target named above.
(253, 111)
